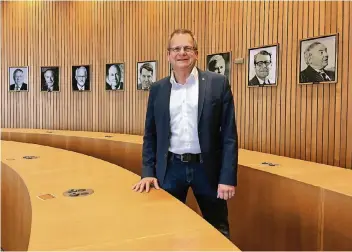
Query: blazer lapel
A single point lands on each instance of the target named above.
(203, 82)
(164, 100)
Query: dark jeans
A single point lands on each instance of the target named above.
(180, 176)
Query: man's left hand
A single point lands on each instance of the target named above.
(226, 192)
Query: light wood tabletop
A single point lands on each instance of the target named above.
(112, 218)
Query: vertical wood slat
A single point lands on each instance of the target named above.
(310, 122)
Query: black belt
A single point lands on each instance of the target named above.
(187, 157)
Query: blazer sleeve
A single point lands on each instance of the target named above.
(228, 172)
(149, 138)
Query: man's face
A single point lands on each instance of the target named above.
(220, 66)
(262, 65)
(81, 76)
(113, 76)
(186, 57)
(319, 57)
(146, 78)
(49, 78)
(18, 78)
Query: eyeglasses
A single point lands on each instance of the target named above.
(262, 63)
(186, 49)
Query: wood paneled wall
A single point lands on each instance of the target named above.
(310, 122)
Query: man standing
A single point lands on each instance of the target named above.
(316, 57)
(262, 66)
(190, 137)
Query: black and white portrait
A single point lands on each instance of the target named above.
(263, 66)
(220, 63)
(18, 78)
(146, 74)
(318, 61)
(80, 78)
(114, 76)
(49, 79)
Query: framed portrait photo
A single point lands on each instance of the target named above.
(219, 63)
(146, 74)
(18, 79)
(263, 66)
(114, 77)
(318, 60)
(49, 79)
(81, 78)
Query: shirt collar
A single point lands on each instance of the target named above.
(192, 76)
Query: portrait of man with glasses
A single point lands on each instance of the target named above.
(262, 66)
(80, 78)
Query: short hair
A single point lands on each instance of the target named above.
(213, 60)
(262, 52)
(183, 31)
(17, 70)
(117, 67)
(81, 67)
(147, 66)
(307, 52)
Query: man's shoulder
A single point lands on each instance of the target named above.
(162, 82)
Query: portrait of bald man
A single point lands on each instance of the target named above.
(18, 79)
(219, 63)
(50, 79)
(114, 74)
(80, 78)
(318, 60)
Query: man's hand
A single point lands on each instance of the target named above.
(226, 192)
(146, 183)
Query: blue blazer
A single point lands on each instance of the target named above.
(216, 129)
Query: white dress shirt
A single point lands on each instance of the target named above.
(267, 81)
(184, 115)
(80, 87)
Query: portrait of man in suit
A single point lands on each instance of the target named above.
(50, 79)
(80, 78)
(18, 79)
(114, 77)
(190, 137)
(146, 75)
(318, 60)
(262, 66)
(219, 63)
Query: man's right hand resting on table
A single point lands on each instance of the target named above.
(146, 183)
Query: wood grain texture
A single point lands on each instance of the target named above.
(268, 212)
(300, 121)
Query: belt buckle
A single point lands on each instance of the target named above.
(183, 156)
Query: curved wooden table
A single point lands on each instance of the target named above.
(113, 218)
(297, 205)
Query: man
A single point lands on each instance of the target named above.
(217, 64)
(316, 57)
(262, 66)
(113, 78)
(81, 79)
(190, 137)
(19, 85)
(50, 83)
(145, 76)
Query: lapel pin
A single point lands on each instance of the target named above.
(202, 78)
